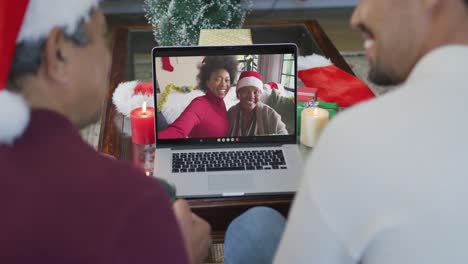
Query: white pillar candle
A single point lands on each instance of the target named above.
(313, 120)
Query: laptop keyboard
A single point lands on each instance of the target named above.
(228, 161)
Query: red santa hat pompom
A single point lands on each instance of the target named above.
(275, 86)
(250, 78)
(130, 95)
(29, 20)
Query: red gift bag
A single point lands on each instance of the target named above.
(336, 85)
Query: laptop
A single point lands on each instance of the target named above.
(215, 140)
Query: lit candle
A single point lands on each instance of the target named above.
(142, 122)
(313, 120)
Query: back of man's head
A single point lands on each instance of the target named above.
(47, 49)
(398, 33)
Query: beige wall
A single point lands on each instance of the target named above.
(185, 72)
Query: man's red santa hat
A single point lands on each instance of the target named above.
(23, 21)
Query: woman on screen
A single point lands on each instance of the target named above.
(206, 116)
(250, 117)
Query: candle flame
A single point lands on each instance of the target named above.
(144, 107)
(148, 173)
(316, 111)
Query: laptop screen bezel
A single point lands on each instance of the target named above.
(287, 48)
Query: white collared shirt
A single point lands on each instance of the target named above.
(388, 181)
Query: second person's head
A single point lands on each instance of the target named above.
(216, 74)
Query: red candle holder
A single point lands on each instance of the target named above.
(142, 122)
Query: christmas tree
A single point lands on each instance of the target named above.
(178, 22)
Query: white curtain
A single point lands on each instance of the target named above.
(270, 67)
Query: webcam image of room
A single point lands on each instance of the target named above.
(226, 96)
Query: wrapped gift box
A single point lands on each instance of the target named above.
(220, 37)
(305, 94)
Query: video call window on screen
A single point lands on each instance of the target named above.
(227, 96)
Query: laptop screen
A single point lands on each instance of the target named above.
(225, 95)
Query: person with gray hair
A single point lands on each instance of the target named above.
(61, 201)
(387, 180)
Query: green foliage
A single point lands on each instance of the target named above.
(249, 63)
(178, 22)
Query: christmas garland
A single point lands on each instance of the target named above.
(167, 91)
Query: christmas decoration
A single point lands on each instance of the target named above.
(22, 21)
(248, 63)
(142, 124)
(313, 120)
(131, 95)
(167, 91)
(306, 94)
(178, 22)
(333, 84)
(221, 37)
(166, 64)
(275, 86)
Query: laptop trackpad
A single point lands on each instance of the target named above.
(231, 182)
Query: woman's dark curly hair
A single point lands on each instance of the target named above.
(213, 63)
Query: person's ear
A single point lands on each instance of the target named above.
(55, 56)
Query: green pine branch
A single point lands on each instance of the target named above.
(178, 22)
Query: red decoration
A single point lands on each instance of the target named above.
(10, 24)
(305, 94)
(142, 122)
(145, 88)
(274, 85)
(166, 64)
(336, 85)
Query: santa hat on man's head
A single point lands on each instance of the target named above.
(250, 78)
(22, 21)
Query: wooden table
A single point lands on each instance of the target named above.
(130, 40)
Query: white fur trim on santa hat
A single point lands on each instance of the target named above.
(14, 117)
(125, 100)
(43, 15)
(250, 81)
(312, 61)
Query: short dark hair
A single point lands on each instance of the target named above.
(466, 2)
(28, 54)
(213, 63)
